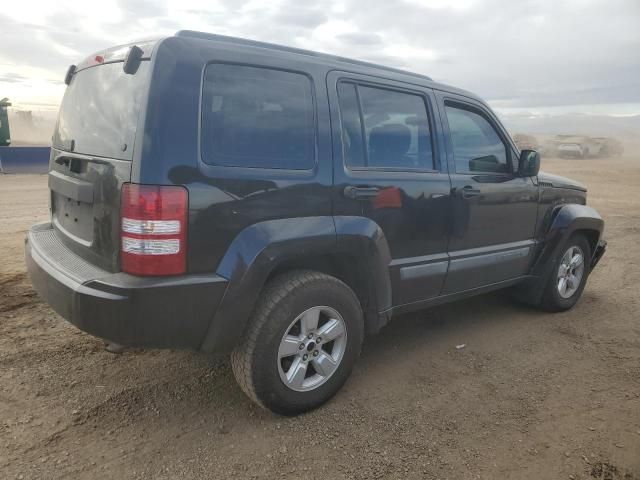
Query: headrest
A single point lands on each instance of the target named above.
(393, 139)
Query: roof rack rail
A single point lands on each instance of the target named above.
(273, 46)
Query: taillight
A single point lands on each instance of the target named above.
(153, 229)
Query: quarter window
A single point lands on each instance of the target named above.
(384, 128)
(477, 147)
(258, 118)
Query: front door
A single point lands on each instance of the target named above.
(387, 167)
(493, 209)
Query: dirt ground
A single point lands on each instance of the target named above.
(531, 395)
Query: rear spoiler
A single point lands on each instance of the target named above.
(130, 54)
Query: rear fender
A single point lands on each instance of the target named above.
(365, 240)
(260, 248)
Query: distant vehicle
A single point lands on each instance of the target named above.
(582, 146)
(576, 146)
(572, 149)
(610, 146)
(277, 204)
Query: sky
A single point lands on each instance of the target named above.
(533, 56)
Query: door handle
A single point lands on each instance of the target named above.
(468, 192)
(360, 193)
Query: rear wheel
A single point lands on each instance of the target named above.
(569, 275)
(301, 343)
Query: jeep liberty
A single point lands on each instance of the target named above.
(276, 204)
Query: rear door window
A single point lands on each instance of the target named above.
(384, 128)
(257, 118)
(477, 147)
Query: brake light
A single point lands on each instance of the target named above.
(153, 229)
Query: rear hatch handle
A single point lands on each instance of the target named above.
(68, 160)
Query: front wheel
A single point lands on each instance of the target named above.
(301, 342)
(569, 275)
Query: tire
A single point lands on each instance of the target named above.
(553, 298)
(267, 357)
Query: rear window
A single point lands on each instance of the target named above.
(257, 118)
(99, 112)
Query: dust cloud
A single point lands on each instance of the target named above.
(32, 128)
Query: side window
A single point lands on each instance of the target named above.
(257, 117)
(477, 147)
(396, 130)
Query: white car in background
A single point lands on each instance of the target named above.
(572, 150)
(577, 146)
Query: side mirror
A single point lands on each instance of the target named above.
(529, 163)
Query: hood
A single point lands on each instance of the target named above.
(549, 180)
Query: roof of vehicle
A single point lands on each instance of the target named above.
(118, 53)
(283, 48)
(328, 58)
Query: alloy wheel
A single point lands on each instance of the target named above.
(312, 348)
(570, 272)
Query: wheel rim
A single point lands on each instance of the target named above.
(312, 348)
(570, 272)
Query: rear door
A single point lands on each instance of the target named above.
(494, 210)
(94, 144)
(387, 167)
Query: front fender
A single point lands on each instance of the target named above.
(565, 221)
(260, 248)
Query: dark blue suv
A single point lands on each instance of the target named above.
(238, 197)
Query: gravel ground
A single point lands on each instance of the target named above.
(531, 395)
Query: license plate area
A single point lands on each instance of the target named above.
(74, 218)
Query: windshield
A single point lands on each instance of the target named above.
(99, 112)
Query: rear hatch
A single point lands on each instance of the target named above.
(93, 150)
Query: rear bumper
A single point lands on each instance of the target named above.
(163, 312)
